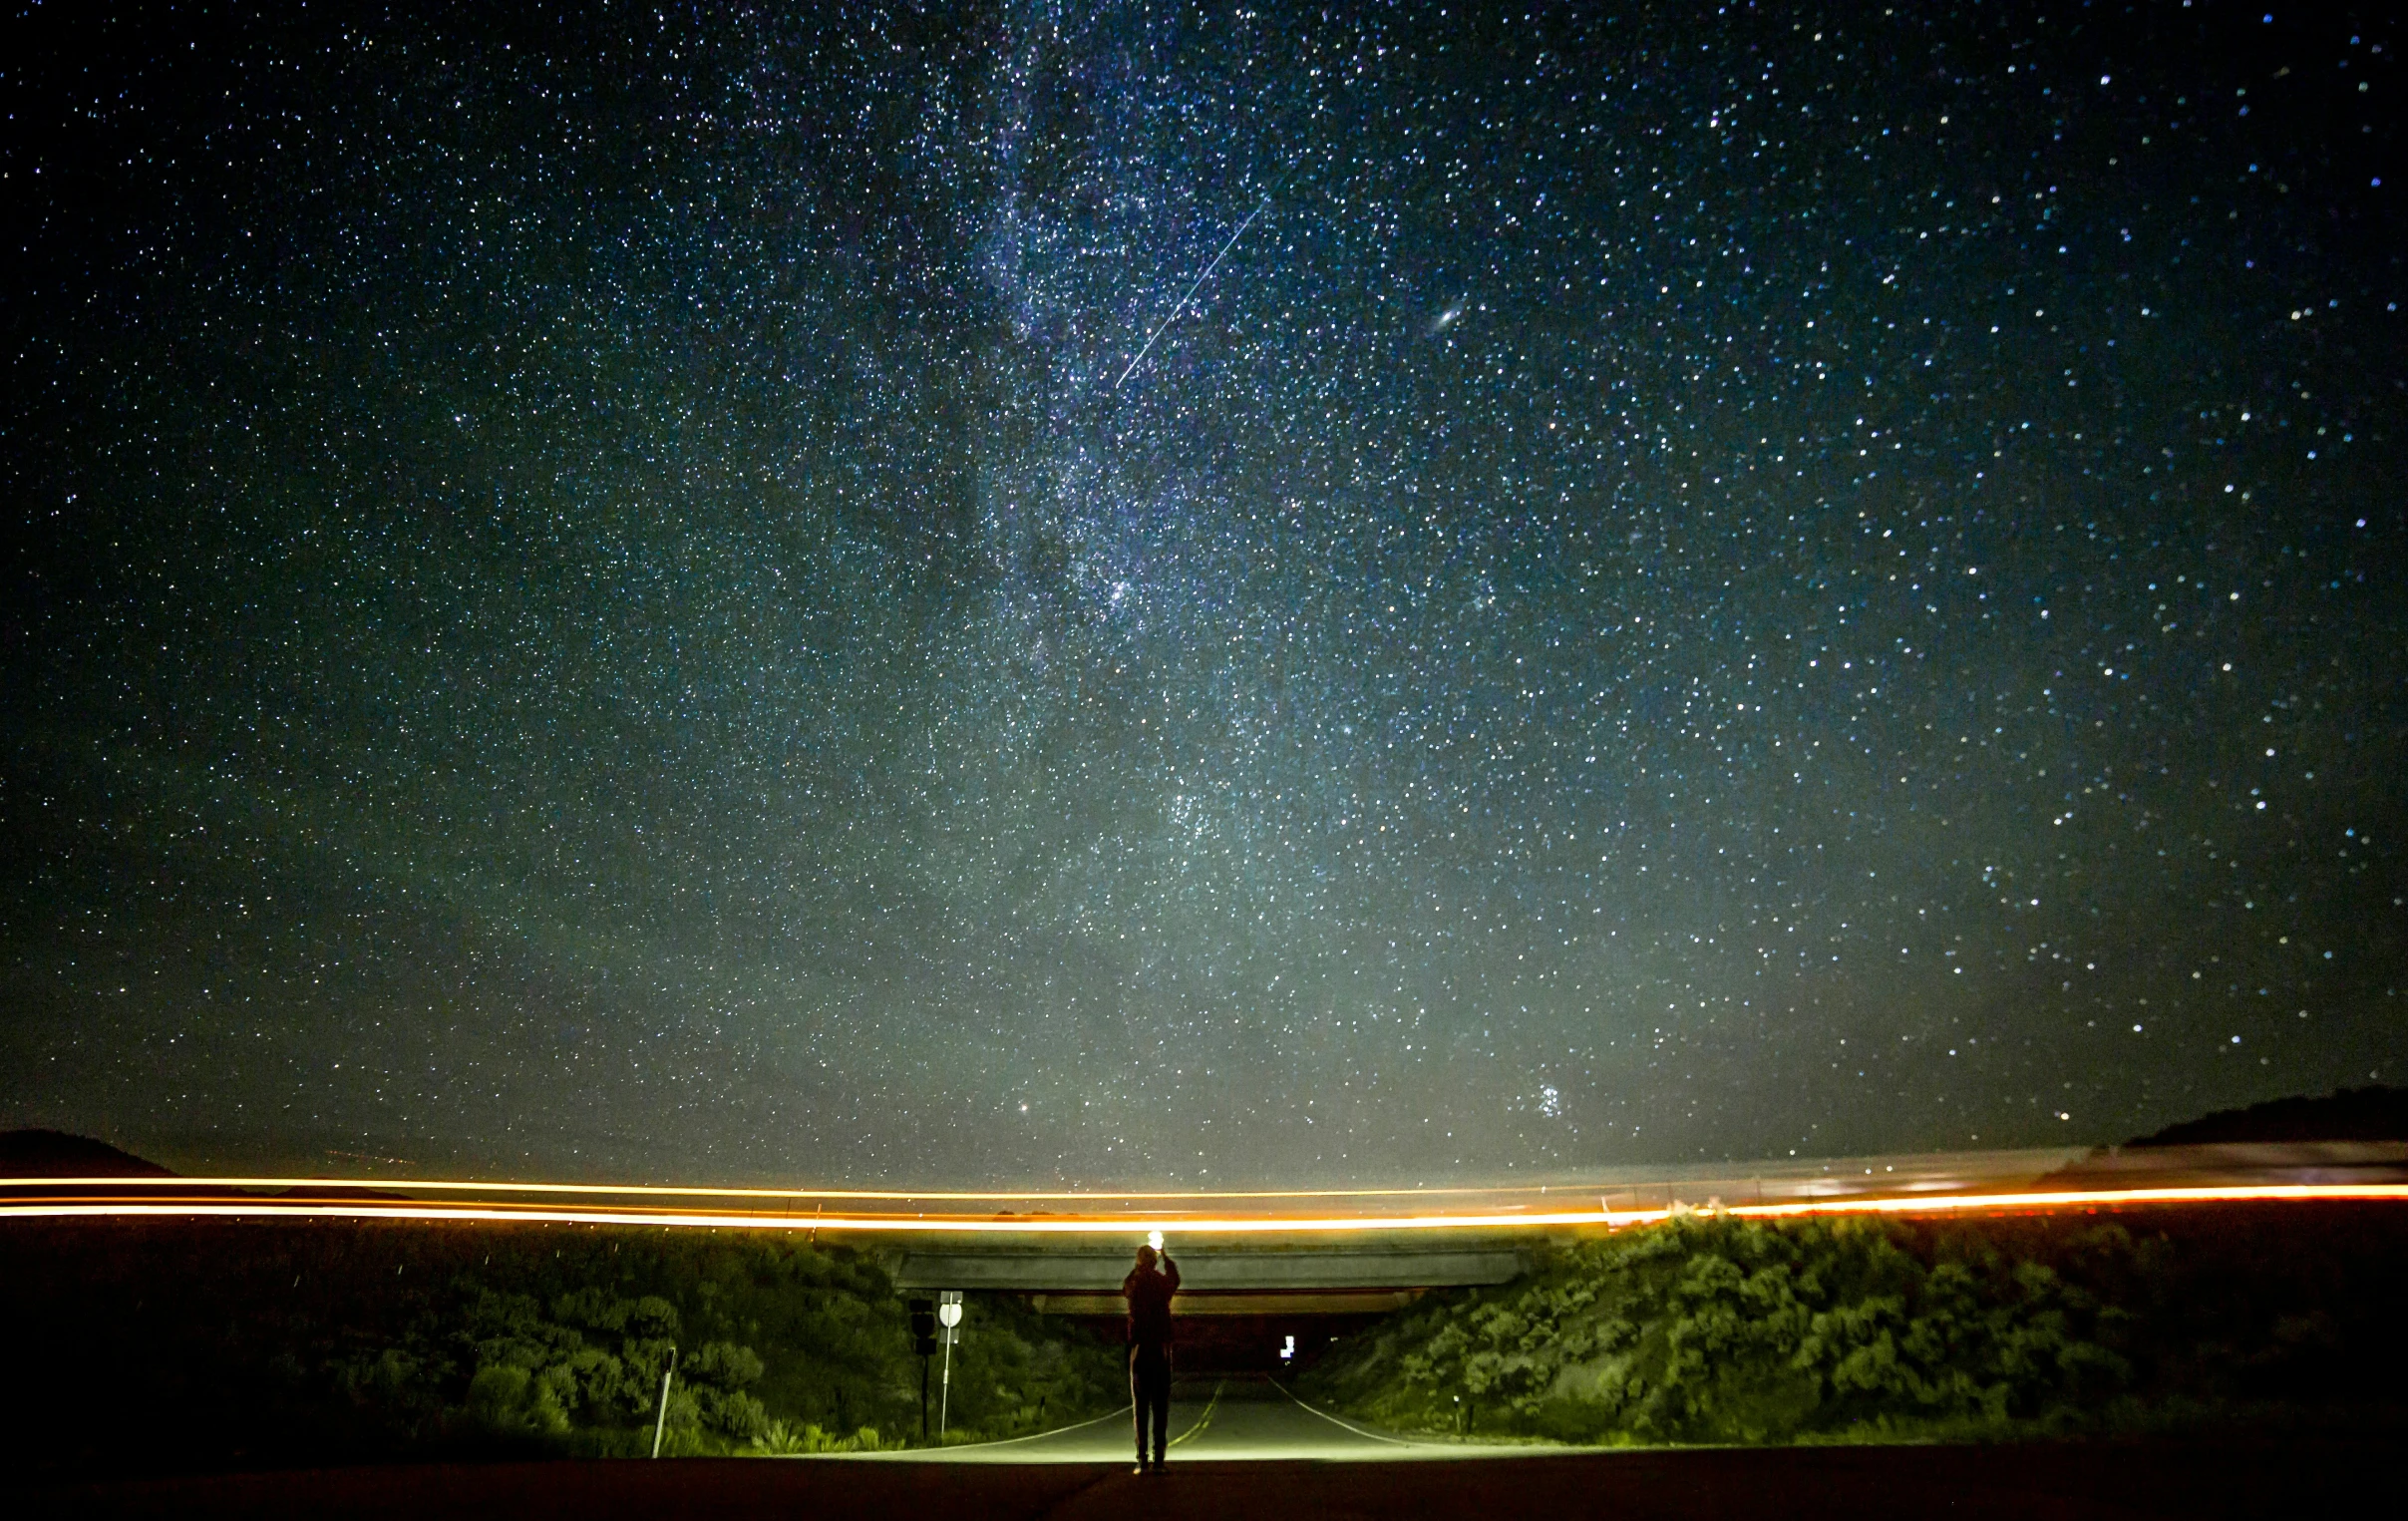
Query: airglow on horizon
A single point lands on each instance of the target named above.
(1201, 1225)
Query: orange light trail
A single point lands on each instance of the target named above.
(651, 1189)
(1194, 1225)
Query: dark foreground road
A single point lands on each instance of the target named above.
(2024, 1483)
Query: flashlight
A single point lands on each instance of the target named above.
(1154, 1238)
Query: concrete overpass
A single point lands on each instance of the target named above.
(1220, 1280)
(1239, 1307)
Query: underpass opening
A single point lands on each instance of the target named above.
(1251, 1311)
(1220, 1345)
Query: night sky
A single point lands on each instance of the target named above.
(601, 595)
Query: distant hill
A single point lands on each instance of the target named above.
(2348, 1114)
(56, 1154)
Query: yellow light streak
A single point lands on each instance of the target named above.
(453, 1186)
(1193, 1224)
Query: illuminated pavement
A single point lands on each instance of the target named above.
(1221, 1420)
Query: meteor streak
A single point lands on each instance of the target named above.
(1192, 288)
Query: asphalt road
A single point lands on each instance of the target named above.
(1212, 1421)
(2228, 1480)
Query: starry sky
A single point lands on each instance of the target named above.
(1194, 594)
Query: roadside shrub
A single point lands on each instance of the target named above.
(1713, 1329)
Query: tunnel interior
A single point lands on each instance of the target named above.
(1227, 1346)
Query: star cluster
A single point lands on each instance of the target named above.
(1204, 594)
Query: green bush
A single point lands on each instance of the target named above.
(316, 1344)
(778, 1439)
(1718, 1331)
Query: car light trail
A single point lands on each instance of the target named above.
(800, 1195)
(160, 1202)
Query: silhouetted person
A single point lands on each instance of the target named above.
(1148, 1290)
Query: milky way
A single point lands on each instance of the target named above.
(606, 597)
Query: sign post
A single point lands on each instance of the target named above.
(661, 1422)
(948, 1315)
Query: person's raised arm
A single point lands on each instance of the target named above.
(1169, 1269)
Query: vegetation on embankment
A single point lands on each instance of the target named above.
(1723, 1331)
(170, 1345)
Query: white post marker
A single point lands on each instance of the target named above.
(948, 1315)
(661, 1424)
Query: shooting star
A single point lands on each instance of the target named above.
(1195, 286)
